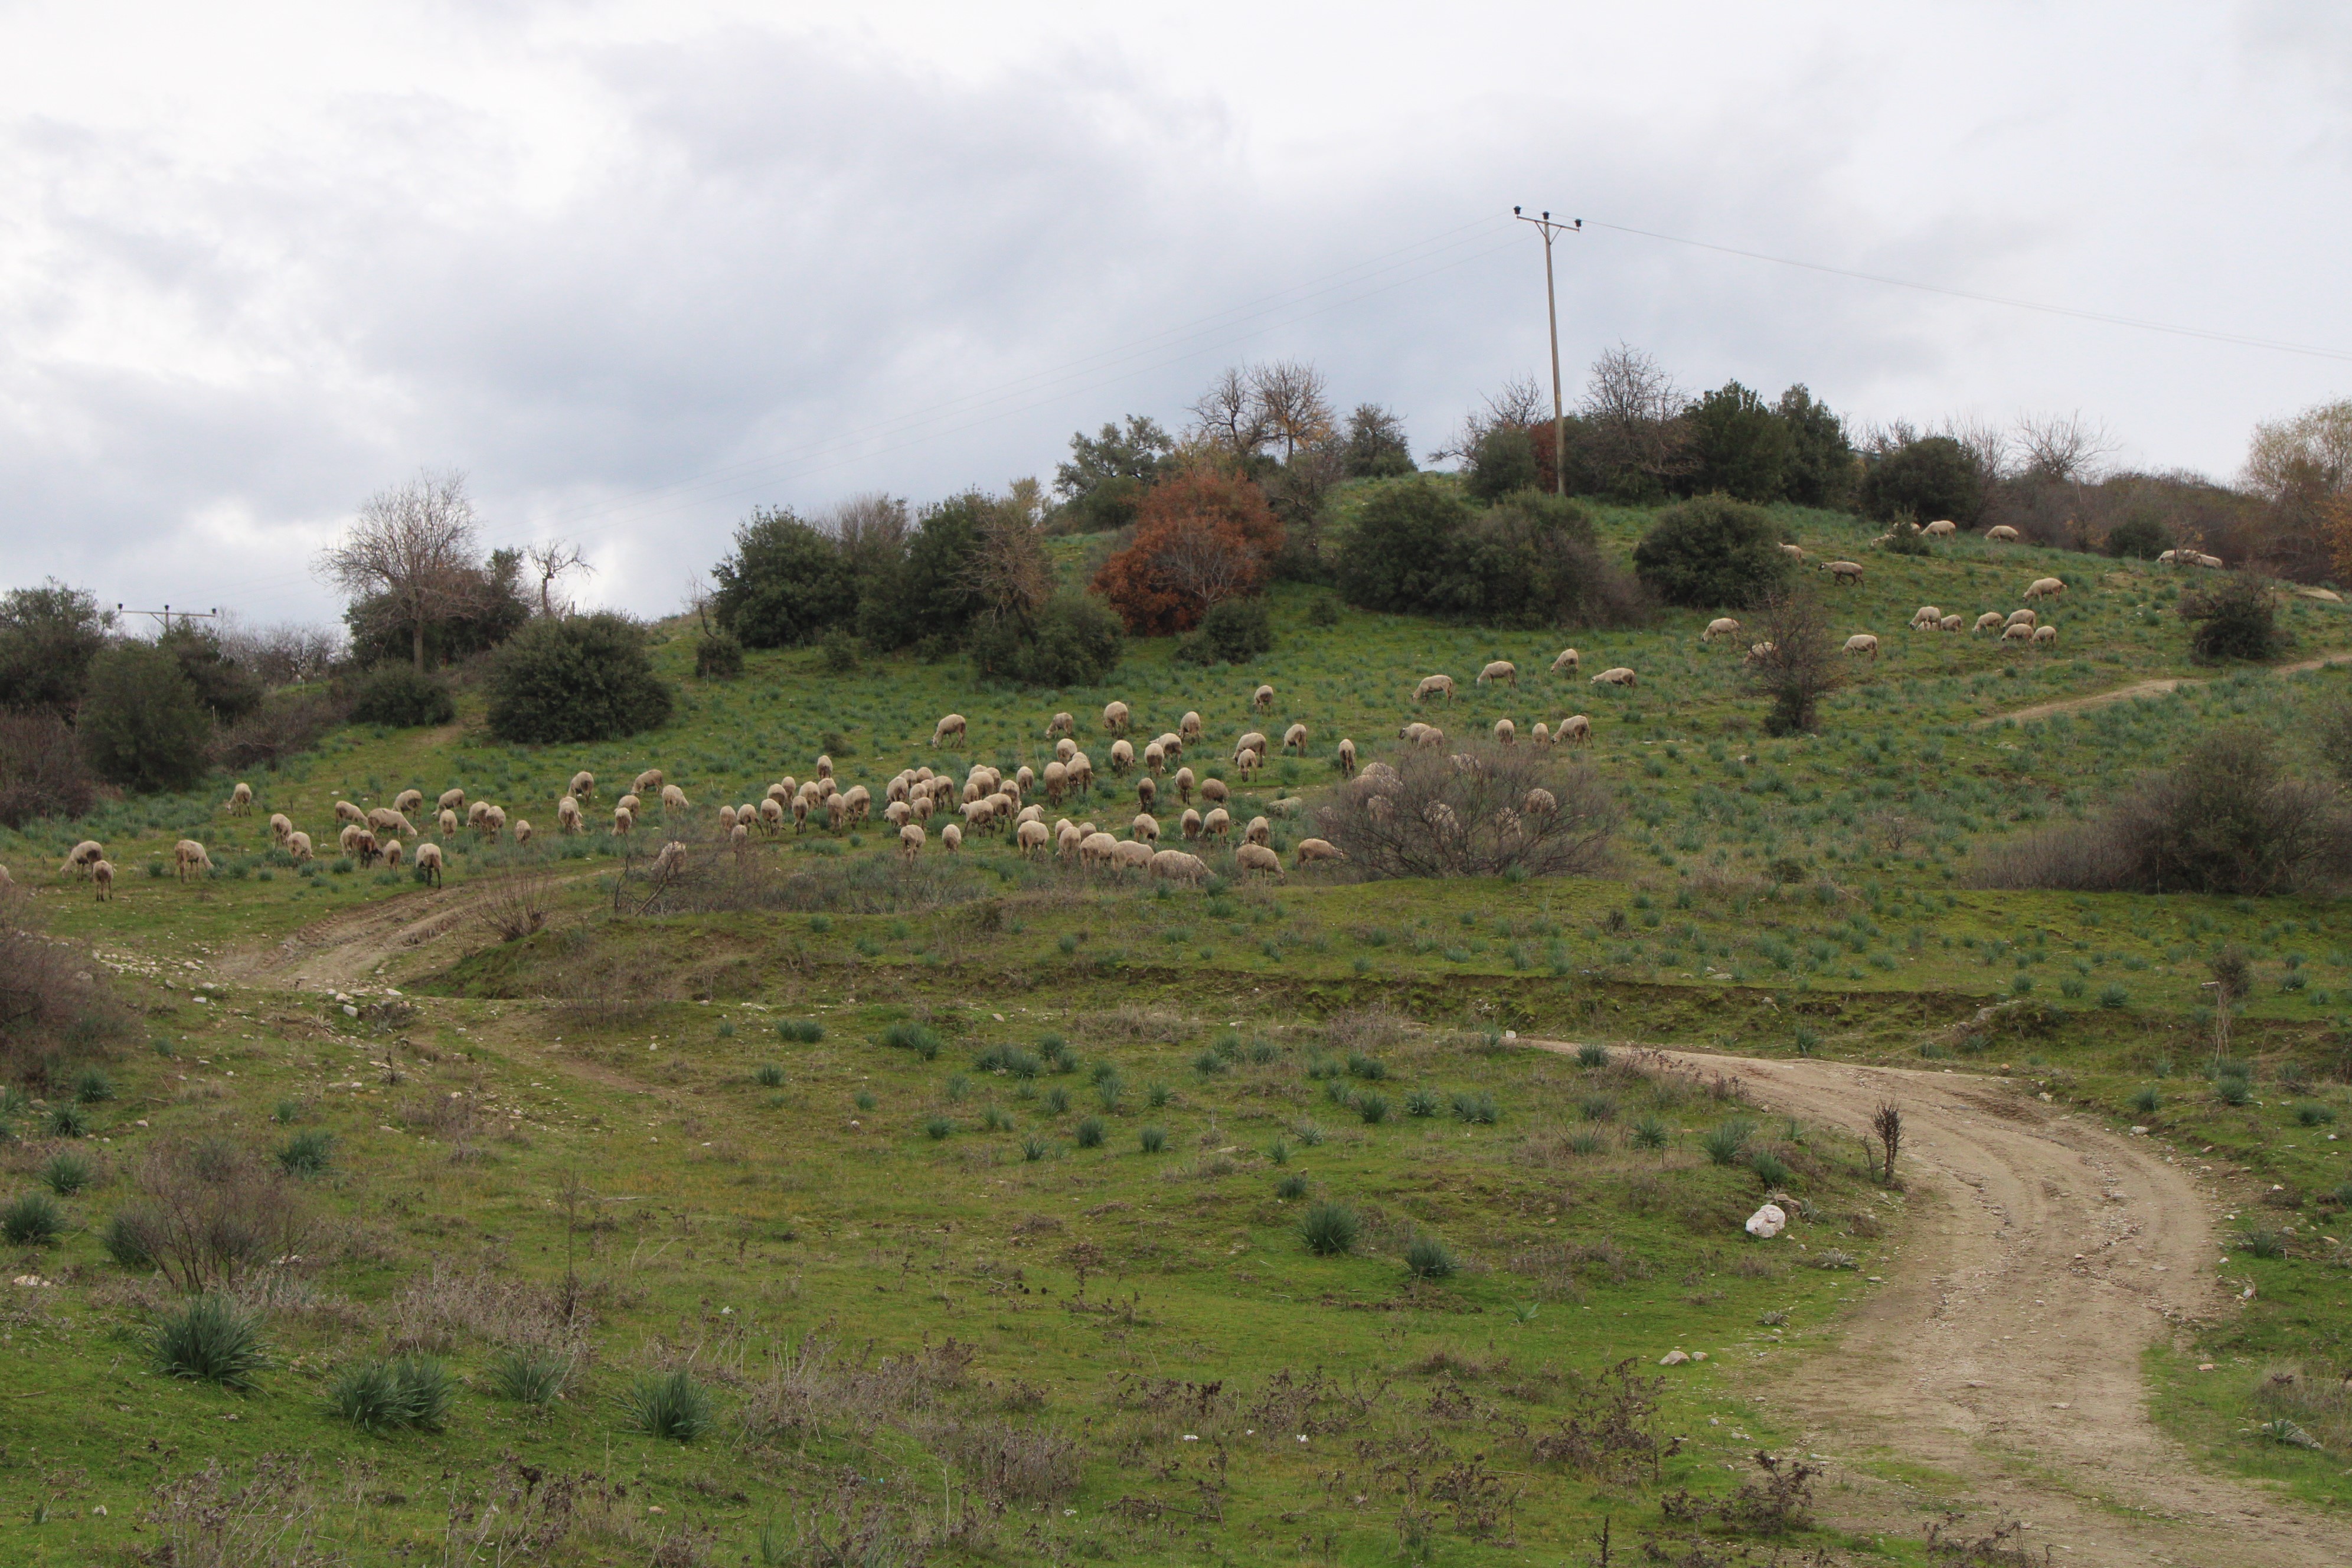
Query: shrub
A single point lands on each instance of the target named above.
(1723, 1145)
(1425, 1258)
(2263, 1243)
(669, 1404)
(807, 1031)
(1593, 1058)
(142, 724)
(770, 1075)
(42, 771)
(1421, 1102)
(209, 1211)
(49, 637)
(1232, 632)
(127, 1241)
(32, 1219)
(1151, 1139)
(2148, 1103)
(1073, 639)
(1713, 551)
(784, 583)
(209, 1340)
(938, 1128)
(1769, 1168)
(2140, 538)
(2235, 1090)
(918, 1038)
(381, 1397)
(1199, 537)
(1740, 447)
(1328, 1229)
(582, 678)
(2113, 995)
(401, 697)
(1649, 1133)
(1929, 479)
(1290, 1187)
(1478, 1110)
(1419, 547)
(66, 1175)
(528, 1376)
(91, 1087)
(305, 1154)
(1372, 1107)
(2311, 1113)
(2235, 618)
(1091, 1133)
(69, 1120)
(1431, 817)
(718, 656)
(1503, 461)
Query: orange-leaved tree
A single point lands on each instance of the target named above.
(1200, 537)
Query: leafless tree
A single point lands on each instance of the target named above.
(415, 545)
(1989, 445)
(1801, 661)
(1207, 564)
(1888, 1125)
(1518, 403)
(2066, 447)
(873, 527)
(1479, 813)
(1231, 415)
(553, 561)
(1633, 417)
(283, 655)
(1295, 400)
(696, 599)
(1008, 568)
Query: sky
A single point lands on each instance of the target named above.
(636, 270)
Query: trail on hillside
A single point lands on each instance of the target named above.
(2004, 1349)
(2157, 688)
(344, 949)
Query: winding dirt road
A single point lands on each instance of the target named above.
(2003, 1351)
(2162, 687)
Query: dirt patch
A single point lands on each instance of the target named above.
(2146, 688)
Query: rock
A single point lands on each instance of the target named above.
(1698, 1355)
(1673, 1358)
(1767, 1222)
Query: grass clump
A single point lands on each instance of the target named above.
(806, 1031)
(129, 1242)
(1151, 1139)
(1479, 1109)
(2263, 1242)
(407, 1392)
(939, 1128)
(667, 1404)
(1421, 1102)
(2148, 1103)
(32, 1219)
(305, 1154)
(1293, 1185)
(920, 1038)
(1723, 1145)
(1769, 1168)
(2311, 1113)
(209, 1340)
(1091, 1132)
(1372, 1107)
(66, 1175)
(69, 1120)
(1427, 1258)
(1650, 1134)
(1593, 1057)
(769, 1076)
(528, 1376)
(92, 1087)
(1328, 1229)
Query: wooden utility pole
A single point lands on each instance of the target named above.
(168, 614)
(1551, 308)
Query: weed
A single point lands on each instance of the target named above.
(1369, 1069)
(1650, 1134)
(1597, 1107)
(1769, 1168)
(1328, 1229)
(1807, 1041)
(1372, 1107)
(1308, 1133)
(938, 1128)
(1209, 1064)
(92, 1087)
(2263, 1243)
(33, 1219)
(1586, 1144)
(864, 1100)
(1157, 1095)
(2235, 1090)
(1108, 1090)
(527, 1376)
(1421, 1102)
(1591, 1056)
(806, 1031)
(2148, 1103)
(66, 1175)
(1425, 1258)
(1151, 1139)
(209, 1340)
(383, 1396)
(1477, 1109)
(1034, 1149)
(917, 1037)
(69, 1120)
(669, 1404)
(127, 1242)
(2311, 1113)
(1091, 1133)
(288, 1112)
(1293, 1185)
(305, 1154)
(1723, 1145)
(1278, 1151)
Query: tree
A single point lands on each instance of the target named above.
(1008, 571)
(1229, 415)
(143, 723)
(1200, 537)
(1231, 633)
(784, 585)
(929, 596)
(2065, 448)
(582, 678)
(1071, 640)
(1375, 445)
(483, 607)
(1518, 403)
(2236, 618)
(1801, 662)
(227, 690)
(2307, 455)
(409, 546)
(1503, 462)
(1419, 547)
(554, 561)
(1820, 469)
(1105, 477)
(1739, 447)
(1712, 553)
(1925, 478)
(48, 637)
(1632, 425)
(1295, 400)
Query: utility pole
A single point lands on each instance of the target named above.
(167, 614)
(1551, 308)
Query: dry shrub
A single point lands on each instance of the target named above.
(1468, 815)
(270, 1519)
(434, 1309)
(55, 1005)
(1610, 1433)
(280, 728)
(711, 879)
(1008, 1463)
(41, 770)
(1364, 1029)
(1140, 1024)
(811, 1389)
(516, 903)
(2321, 1406)
(210, 1213)
(1554, 1267)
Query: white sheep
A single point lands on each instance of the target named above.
(567, 815)
(1310, 850)
(188, 858)
(1115, 715)
(2211, 562)
(1122, 757)
(392, 853)
(1576, 729)
(1844, 570)
(1539, 803)
(363, 846)
(451, 800)
(1146, 827)
(1795, 552)
(1145, 791)
(1262, 698)
(2046, 634)
(101, 872)
(1943, 527)
(1506, 732)
(950, 724)
(1758, 652)
(6, 879)
(950, 838)
(911, 840)
(2045, 588)
(648, 783)
(2021, 618)
(1185, 784)
(280, 825)
(630, 803)
(1621, 676)
(1502, 669)
(584, 784)
(2018, 631)
(447, 822)
(298, 844)
(1132, 855)
(1097, 850)
(1190, 726)
(1215, 791)
(1926, 616)
(739, 838)
(475, 812)
(1032, 838)
(1061, 724)
(1991, 620)
(1434, 685)
(1179, 867)
(823, 765)
(1863, 642)
(408, 800)
(387, 821)
(1259, 831)
(1218, 823)
(1568, 659)
(428, 863)
(240, 799)
(1295, 739)
(1539, 735)
(494, 822)
(1190, 823)
(1347, 758)
(1951, 624)
(84, 854)
(346, 811)
(2001, 533)
(522, 830)
(1256, 859)
(671, 860)
(674, 798)
(1155, 757)
(624, 821)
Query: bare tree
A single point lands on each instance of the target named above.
(1986, 442)
(415, 545)
(1796, 660)
(695, 602)
(1479, 813)
(1888, 1125)
(1231, 415)
(1633, 413)
(873, 527)
(1516, 403)
(1206, 564)
(554, 561)
(1294, 400)
(2067, 447)
(283, 655)
(1008, 568)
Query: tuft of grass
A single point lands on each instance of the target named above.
(1723, 1145)
(1151, 1139)
(2234, 1090)
(305, 1154)
(1308, 1133)
(288, 1112)
(667, 1404)
(92, 1087)
(864, 1100)
(2263, 1242)
(1807, 1041)
(2114, 995)
(1278, 1151)
(1209, 1064)
(1157, 1095)
(1091, 1133)
(1293, 1185)
(806, 1031)
(995, 1120)
(1372, 1107)
(66, 1175)
(1421, 1102)
(938, 1128)
(1598, 1107)
(2311, 1113)
(1592, 1056)
(32, 1219)
(1477, 1109)
(209, 1340)
(1586, 1143)
(920, 1038)
(1034, 1149)
(69, 1120)
(1650, 1134)
(1769, 1168)
(2148, 1103)
(769, 1076)
(1372, 1070)
(1328, 1229)
(1057, 1100)
(528, 1376)
(1108, 1088)
(383, 1396)
(129, 1243)
(1426, 1258)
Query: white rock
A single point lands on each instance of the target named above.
(1673, 1358)
(349, 1011)
(1767, 1222)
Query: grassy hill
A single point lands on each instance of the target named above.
(971, 1196)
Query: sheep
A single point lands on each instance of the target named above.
(1131, 854)
(1146, 827)
(1991, 620)
(363, 847)
(781, 790)
(1259, 831)
(2001, 533)
(240, 799)
(1951, 624)
(298, 844)
(2211, 562)
(1066, 838)
(428, 864)
(1794, 553)
(2048, 588)
(386, 821)
(861, 802)
(1189, 726)
(1441, 685)
(1061, 724)
(475, 812)
(584, 784)
(408, 800)
(951, 724)
(1147, 792)
(1621, 676)
(1262, 698)
(1185, 783)
(624, 821)
(1217, 824)
(522, 830)
(6, 879)
(2017, 631)
(451, 800)
(823, 765)
(1568, 659)
(1310, 850)
(1347, 758)
(1863, 642)
(1540, 734)
(1190, 823)
(447, 822)
(800, 812)
(1215, 791)
(2042, 635)
(671, 860)
(950, 838)
(1256, 859)
(1943, 527)
(1721, 626)
(1024, 778)
(85, 855)
(648, 783)
(1411, 730)
(1926, 616)
(1178, 867)
(2021, 618)
(1082, 771)
(1115, 716)
(188, 857)
(1155, 757)
(1032, 838)
(674, 798)
(494, 822)
(1844, 570)
(567, 815)
(1295, 739)
(630, 803)
(1122, 757)
(101, 872)
(739, 838)
(346, 811)
(391, 853)
(1539, 803)
(1097, 850)
(2172, 557)
(910, 841)
(836, 812)
(280, 825)
(1506, 732)
(348, 837)
(1758, 652)
(1576, 729)
(1252, 741)
(1501, 669)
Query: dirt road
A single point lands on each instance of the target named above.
(2159, 688)
(2003, 1351)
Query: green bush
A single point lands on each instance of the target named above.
(1502, 463)
(806, 1031)
(1476, 1109)
(305, 1154)
(2139, 538)
(1372, 1107)
(1713, 552)
(1723, 1145)
(1769, 1168)
(1328, 1229)
(1290, 1187)
(784, 585)
(669, 1404)
(1742, 448)
(1151, 1139)
(528, 1376)
(718, 656)
(143, 723)
(2236, 618)
(66, 1175)
(918, 1038)
(2148, 1103)
(92, 1087)
(1418, 548)
(381, 1397)
(939, 1127)
(1235, 631)
(1421, 1102)
(1649, 1132)
(209, 1340)
(32, 1219)
(69, 1120)
(2311, 1113)
(770, 1075)
(1425, 1258)
(1931, 479)
(1592, 1057)
(1074, 639)
(1091, 1132)
(579, 678)
(130, 1239)
(399, 698)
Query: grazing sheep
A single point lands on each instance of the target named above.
(1218, 823)
(2211, 562)
(1310, 850)
(1539, 803)
(1411, 730)
(363, 847)
(1114, 717)
(567, 815)
(2046, 634)
(1502, 669)
(648, 783)
(1295, 739)
(1941, 528)
(1185, 783)
(1122, 757)
(280, 825)
(1951, 624)
(1540, 735)
(1568, 659)
(1621, 676)
(952, 838)
(1259, 831)
(739, 838)
(522, 830)
(1058, 779)
(2048, 588)
(674, 798)
(624, 821)
(860, 801)
(1145, 791)
(1251, 741)
(475, 812)
(1794, 553)
(1863, 642)
(451, 800)
(6, 879)
(952, 724)
(1032, 838)
(670, 860)
(384, 821)
(2021, 618)
(1061, 724)
(494, 822)
(346, 811)
(298, 844)
(1721, 626)
(911, 840)
(771, 815)
(428, 864)
(408, 800)
(1215, 791)
(1066, 838)
(1023, 779)
(584, 784)
(391, 853)
(1097, 850)
(1256, 859)
(2017, 631)
(1131, 854)
(823, 765)
(1926, 616)
(1146, 827)
(630, 803)
(85, 855)
(1441, 685)
(1082, 771)
(1758, 652)
(101, 872)
(1190, 726)
(1262, 698)
(188, 857)
(2001, 533)
(447, 824)
(1347, 758)
(836, 812)
(348, 837)
(1991, 620)
(800, 812)
(1506, 732)
(1844, 570)
(1178, 867)
(1155, 757)
(240, 799)
(1576, 729)
(1190, 823)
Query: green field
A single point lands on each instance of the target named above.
(1001, 1257)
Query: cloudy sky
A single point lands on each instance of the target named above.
(637, 269)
